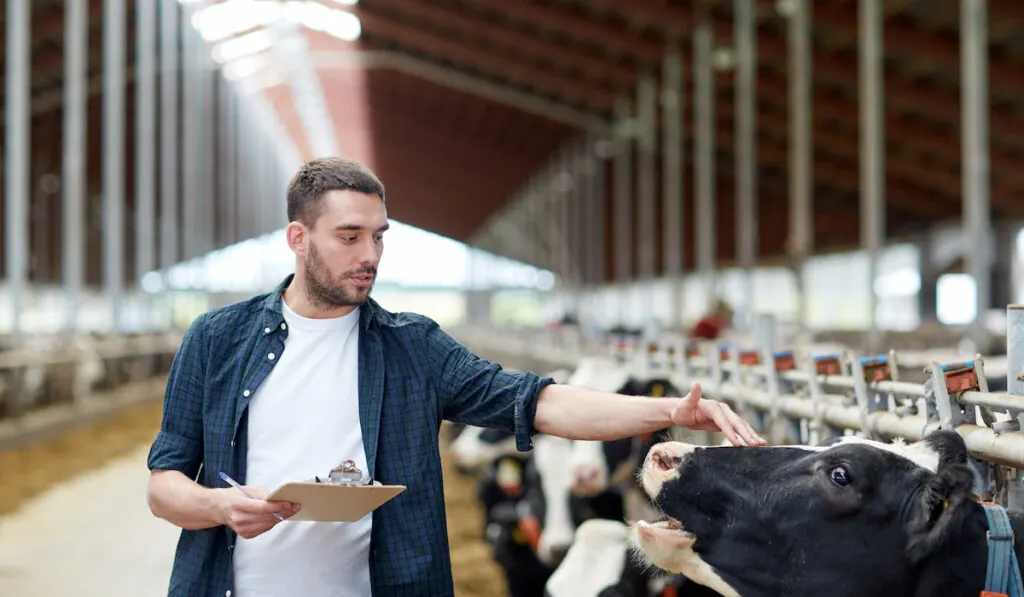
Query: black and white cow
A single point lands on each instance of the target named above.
(854, 517)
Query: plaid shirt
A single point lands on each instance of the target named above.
(411, 376)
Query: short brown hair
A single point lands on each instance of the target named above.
(315, 178)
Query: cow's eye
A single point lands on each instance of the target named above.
(839, 476)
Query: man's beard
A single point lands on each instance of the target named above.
(324, 292)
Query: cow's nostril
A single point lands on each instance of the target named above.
(664, 461)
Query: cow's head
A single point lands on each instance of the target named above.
(854, 517)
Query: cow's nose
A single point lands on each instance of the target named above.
(663, 458)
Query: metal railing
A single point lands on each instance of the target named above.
(800, 396)
(53, 383)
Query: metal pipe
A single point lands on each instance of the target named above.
(600, 199)
(801, 212)
(1015, 386)
(704, 233)
(872, 166)
(145, 137)
(169, 133)
(76, 45)
(191, 150)
(16, 160)
(673, 225)
(974, 127)
(623, 187)
(114, 25)
(746, 158)
(646, 107)
(984, 443)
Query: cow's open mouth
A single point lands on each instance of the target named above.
(669, 525)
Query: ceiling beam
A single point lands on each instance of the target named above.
(510, 41)
(409, 37)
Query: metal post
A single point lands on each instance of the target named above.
(145, 136)
(673, 225)
(623, 188)
(16, 162)
(113, 155)
(704, 162)
(76, 44)
(646, 107)
(191, 95)
(1015, 386)
(600, 198)
(746, 149)
(169, 134)
(872, 187)
(974, 127)
(207, 147)
(585, 205)
(801, 209)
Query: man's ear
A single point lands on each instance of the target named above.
(940, 511)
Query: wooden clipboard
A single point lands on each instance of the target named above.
(329, 502)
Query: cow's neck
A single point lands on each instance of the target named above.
(959, 570)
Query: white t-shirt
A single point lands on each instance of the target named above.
(303, 421)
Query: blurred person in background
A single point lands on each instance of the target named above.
(714, 323)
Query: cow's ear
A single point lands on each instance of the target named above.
(940, 511)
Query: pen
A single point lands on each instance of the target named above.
(235, 484)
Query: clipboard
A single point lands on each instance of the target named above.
(330, 502)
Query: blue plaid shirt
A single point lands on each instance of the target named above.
(411, 376)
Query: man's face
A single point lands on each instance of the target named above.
(344, 248)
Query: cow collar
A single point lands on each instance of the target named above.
(1003, 578)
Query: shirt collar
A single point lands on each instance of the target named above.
(273, 316)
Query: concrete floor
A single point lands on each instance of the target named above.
(90, 536)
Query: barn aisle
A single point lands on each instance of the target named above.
(91, 534)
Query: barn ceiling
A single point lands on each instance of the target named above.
(454, 103)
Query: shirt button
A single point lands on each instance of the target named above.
(246, 393)
(270, 356)
(266, 330)
(284, 327)
(232, 443)
(227, 593)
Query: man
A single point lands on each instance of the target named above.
(288, 384)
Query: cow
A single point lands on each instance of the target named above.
(599, 564)
(846, 518)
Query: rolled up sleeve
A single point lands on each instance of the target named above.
(179, 442)
(479, 392)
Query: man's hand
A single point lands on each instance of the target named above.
(704, 414)
(251, 517)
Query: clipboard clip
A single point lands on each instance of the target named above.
(346, 473)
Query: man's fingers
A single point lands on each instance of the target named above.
(265, 507)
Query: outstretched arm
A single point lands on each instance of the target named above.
(581, 413)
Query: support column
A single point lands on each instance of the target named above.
(623, 191)
(746, 148)
(974, 127)
(673, 225)
(169, 134)
(646, 108)
(16, 158)
(145, 137)
(599, 194)
(114, 24)
(191, 96)
(705, 231)
(801, 208)
(872, 166)
(1004, 250)
(929, 272)
(76, 44)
